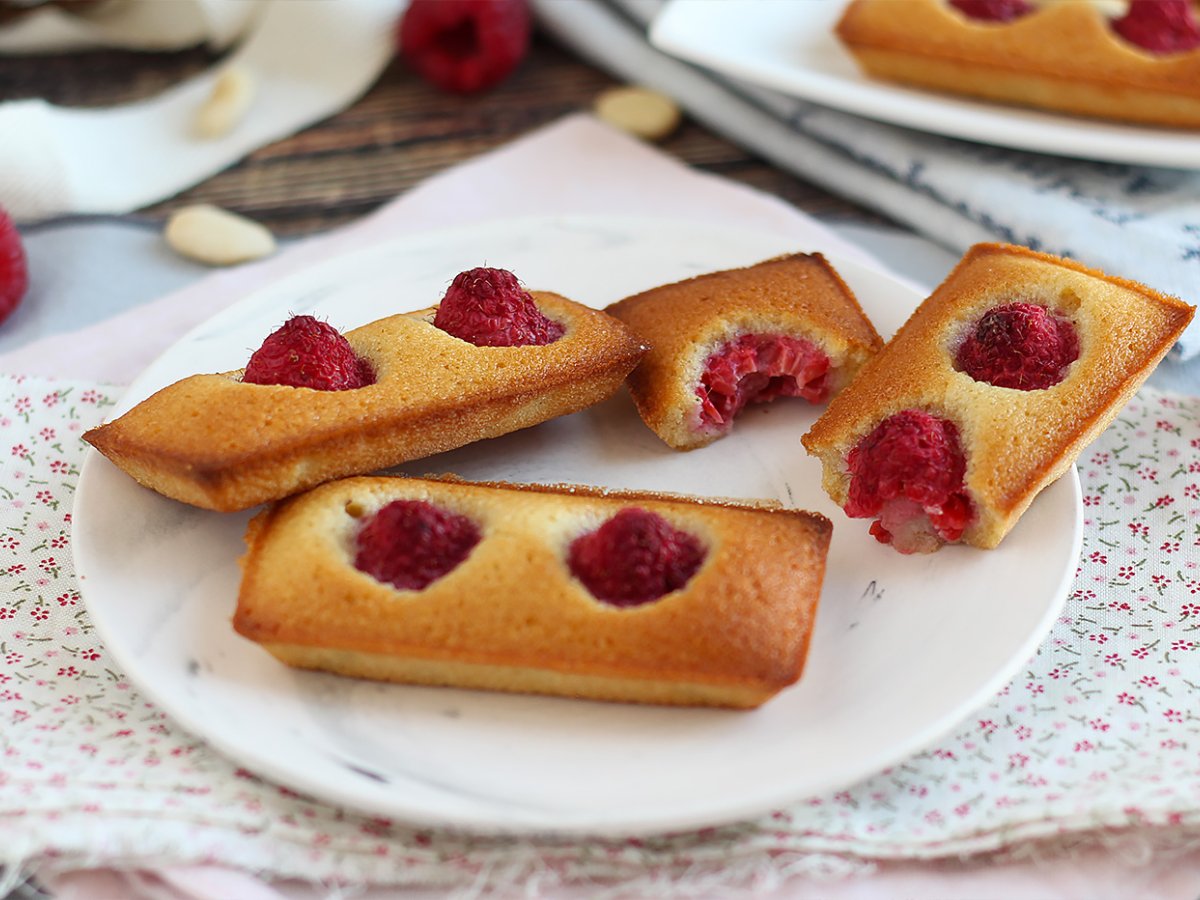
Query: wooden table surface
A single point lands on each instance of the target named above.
(401, 132)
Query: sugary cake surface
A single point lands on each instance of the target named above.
(512, 617)
(215, 442)
(1016, 442)
(1063, 56)
(684, 322)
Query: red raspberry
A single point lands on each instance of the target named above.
(14, 271)
(489, 308)
(634, 557)
(909, 472)
(410, 544)
(992, 10)
(464, 45)
(306, 352)
(757, 368)
(1160, 26)
(1019, 345)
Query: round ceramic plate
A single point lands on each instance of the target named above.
(904, 646)
(789, 46)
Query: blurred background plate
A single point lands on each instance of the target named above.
(789, 45)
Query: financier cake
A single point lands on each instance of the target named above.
(987, 394)
(1141, 65)
(559, 590)
(313, 405)
(786, 327)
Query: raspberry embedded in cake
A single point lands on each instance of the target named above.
(908, 475)
(993, 10)
(464, 46)
(635, 557)
(757, 368)
(1019, 345)
(410, 544)
(1160, 26)
(489, 308)
(306, 352)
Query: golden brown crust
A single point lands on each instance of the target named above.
(1016, 442)
(799, 295)
(215, 442)
(511, 617)
(1062, 56)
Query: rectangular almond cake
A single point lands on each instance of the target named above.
(987, 394)
(1064, 56)
(557, 590)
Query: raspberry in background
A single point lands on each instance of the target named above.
(635, 557)
(464, 46)
(409, 544)
(489, 308)
(306, 352)
(1019, 345)
(14, 269)
(1160, 26)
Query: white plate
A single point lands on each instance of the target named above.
(904, 646)
(789, 45)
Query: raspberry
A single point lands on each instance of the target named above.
(305, 352)
(757, 368)
(634, 557)
(1019, 345)
(410, 544)
(1160, 26)
(992, 10)
(909, 472)
(14, 271)
(489, 308)
(464, 46)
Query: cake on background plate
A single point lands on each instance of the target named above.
(1141, 66)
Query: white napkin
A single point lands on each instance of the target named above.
(308, 60)
(131, 24)
(1138, 222)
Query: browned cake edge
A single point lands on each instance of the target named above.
(519, 679)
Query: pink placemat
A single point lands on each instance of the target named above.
(1098, 734)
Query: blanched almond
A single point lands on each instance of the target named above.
(232, 94)
(216, 236)
(640, 111)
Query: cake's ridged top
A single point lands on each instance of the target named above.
(799, 288)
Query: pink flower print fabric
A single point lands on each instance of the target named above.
(1100, 729)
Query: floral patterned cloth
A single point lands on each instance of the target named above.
(1100, 731)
